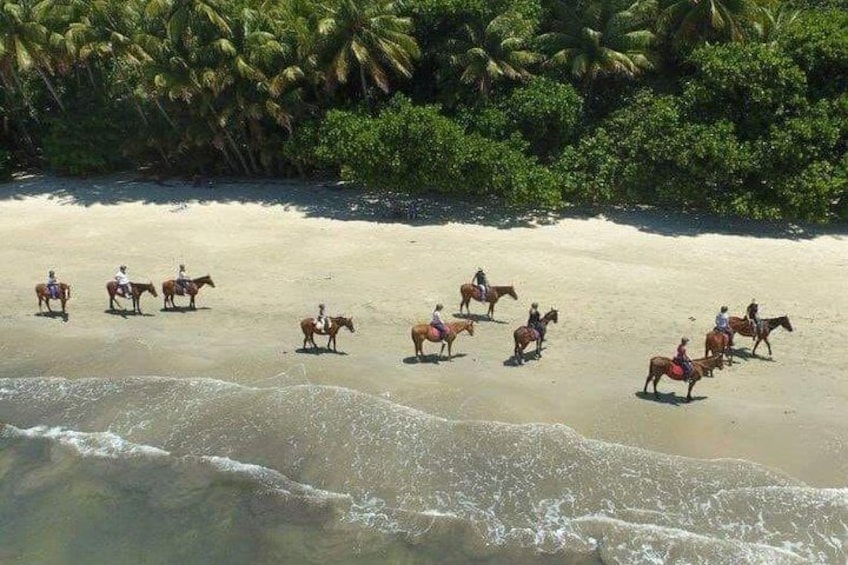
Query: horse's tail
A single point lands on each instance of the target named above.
(67, 292)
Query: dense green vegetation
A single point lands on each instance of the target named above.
(731, 106)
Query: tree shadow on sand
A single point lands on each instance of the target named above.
(53, 315)
(477, 318)
(668, 398)
(432, 358)
(347, 202)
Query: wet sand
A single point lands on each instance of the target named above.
(627, 285)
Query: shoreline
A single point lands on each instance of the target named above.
(276, 255)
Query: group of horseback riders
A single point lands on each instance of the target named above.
(534, 320)
(722, 324)
(122, 280)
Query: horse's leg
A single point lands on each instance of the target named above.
(647, 380)
(491, 312)
(689, 392)
(754, 351)
(768, 344)
(47, 303)
(539, 348)
(656, 380)
(191, 304)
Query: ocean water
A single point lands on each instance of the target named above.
(165, 470)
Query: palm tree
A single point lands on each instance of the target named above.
(601, 40)
(500, 50)
(768, 22)
(689, 22)
(369, 36)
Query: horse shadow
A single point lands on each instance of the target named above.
(667, 398)
(745, 354)
(432, 358)
(477, 318)
(511, 361)
(183, 309)
(318, 351)
(124, 313)
(53, 315)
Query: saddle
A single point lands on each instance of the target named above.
(534, 333)
(181, 290)
(435, 335)
(53, 292)
(677, 371)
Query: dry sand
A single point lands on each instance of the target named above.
(628, 285)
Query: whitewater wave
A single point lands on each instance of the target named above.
(494, 490)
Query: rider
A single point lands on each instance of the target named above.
(183, 281)
(753, 315)
(682, 358)
(322, 322)
(438, 323)
(722, 324)
(534, 321)
(481, 282)
(52, 285)
(123, 281)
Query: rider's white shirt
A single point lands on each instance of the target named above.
(437, 318)
(122, 278)
(722, 321)
(182, 276)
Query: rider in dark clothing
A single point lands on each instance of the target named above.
(534, 321)
(753, 314)
(481, 282)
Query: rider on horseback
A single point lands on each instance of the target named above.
(722, 324)
(322, 321)
(183, 282)
(753, 315)
(682, 358)
(123, 281)
(534, 321)
(480, 280)
(438, 323)
(53, 288)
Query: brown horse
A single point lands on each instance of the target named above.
(44, 295)
(493, 294)
(524, 335)
(743, 327)
(718, 342)
(137, 290)
(307, 325)
(660, 366)
(171, 288)
(427, 332)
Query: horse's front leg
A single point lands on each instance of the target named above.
(689, 392)
(754, 351)
(539, 348)
(47, 303)
(768, 344)
(491, 313)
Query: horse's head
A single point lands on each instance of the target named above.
(510, 290)
(151, 289)
(348, 323)
(552, 315)
(470, 327)
(208, 280)
(784, 322)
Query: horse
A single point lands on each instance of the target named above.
(427, 332)
(524, 335)
(717, 342)
(137, 290)
(493, 294)
(660, 366)
(309, 331)
(170, 288)
(743, 327)
(43, 294)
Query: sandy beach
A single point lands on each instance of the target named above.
(627, 285)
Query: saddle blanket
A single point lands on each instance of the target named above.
(435, 335)
(676, 372)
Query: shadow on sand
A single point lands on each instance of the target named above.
(668, 398)
(745, 354)
(53, 315)
(183, 309)
(528, 355)
(125, 313)
(343, 201)
(432, 358)
(477, 318)
(318, 351)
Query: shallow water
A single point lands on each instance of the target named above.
(203, 471)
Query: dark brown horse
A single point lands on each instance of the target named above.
(43, 294)
(171, 288)
(524, 335)
(718, 343)
(310, 331)
(745, 327)
(660, 366)
(422, 332)
(493, 294)
(137, 290)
